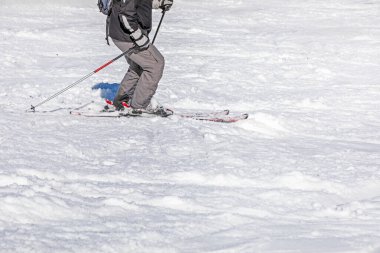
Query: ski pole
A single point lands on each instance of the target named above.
(159, 25)
(33, 107)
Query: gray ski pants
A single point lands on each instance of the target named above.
(145, 71)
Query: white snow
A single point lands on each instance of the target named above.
(302, 174)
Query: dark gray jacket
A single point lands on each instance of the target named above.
(128, 16)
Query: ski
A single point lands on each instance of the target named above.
(223, 118)
(220, 117)
(109, 111)
(203, 114)
(217, 116)
(72, 109)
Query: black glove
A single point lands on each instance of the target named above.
(165, 5)
(140, 39)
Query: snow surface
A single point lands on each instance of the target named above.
(302, 174)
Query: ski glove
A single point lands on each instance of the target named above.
(140, 39)
(165, 5)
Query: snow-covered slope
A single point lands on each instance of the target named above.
(301, 175)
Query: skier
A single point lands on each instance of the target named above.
(129, 26)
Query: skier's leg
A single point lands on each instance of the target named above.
(129, 82)
(148, 66)
(152, 63)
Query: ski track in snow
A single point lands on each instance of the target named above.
(300, 175)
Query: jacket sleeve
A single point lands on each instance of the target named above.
(128, 16)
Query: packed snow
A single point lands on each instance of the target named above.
(302, 174)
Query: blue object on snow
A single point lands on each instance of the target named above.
(107, 90)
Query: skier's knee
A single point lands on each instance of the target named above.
(159, 69)
(161, 64)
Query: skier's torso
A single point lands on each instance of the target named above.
(139, 11)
